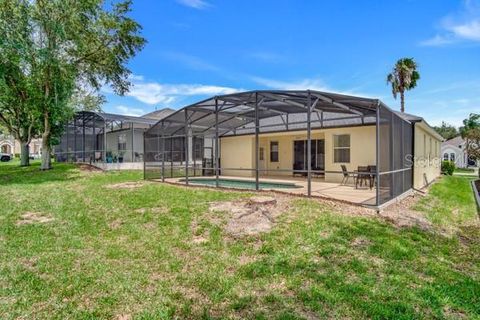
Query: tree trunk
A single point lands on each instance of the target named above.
(46, 160)
(46, 150)
(402, 101)
(24, 154)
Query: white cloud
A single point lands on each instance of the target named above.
(128, 111)
(196, 4)
(437, 41)
(156, 93)
(459, 27)
(469, 30)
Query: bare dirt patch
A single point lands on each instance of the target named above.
(401, 214)
(348, 209)
(88, 168)
(33, 217)
(115, 224)
(360, 242)
(126, 185)
(251, 216)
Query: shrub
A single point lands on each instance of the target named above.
(448, 167)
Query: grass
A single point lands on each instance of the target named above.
(113, 253)
(450, 202)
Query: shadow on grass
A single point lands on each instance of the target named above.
(12, 173)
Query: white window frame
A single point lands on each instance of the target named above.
(342, 148)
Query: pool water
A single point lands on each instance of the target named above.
(241, 184)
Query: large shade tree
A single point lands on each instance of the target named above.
(470, 131)
(403, 77)
(18, 97)
(73, 45)
(447, 131)
(472, 122)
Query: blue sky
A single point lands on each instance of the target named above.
(200, 48)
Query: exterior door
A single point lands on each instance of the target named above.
(300, 156)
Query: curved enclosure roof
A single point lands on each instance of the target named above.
(284, 110)
(110, 117)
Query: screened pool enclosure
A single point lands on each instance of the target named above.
(94, 137)
(310, 135)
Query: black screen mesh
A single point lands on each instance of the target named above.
(395, 150)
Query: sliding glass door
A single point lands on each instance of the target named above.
(300, 156)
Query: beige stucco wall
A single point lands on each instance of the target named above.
(427, 161)
(239, 152)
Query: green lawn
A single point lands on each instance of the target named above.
(130, 254)
(450, 202)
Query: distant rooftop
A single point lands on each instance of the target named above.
(159, 114)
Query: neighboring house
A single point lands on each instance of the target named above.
(84, 139)
(455, 150)
(11, 146)
(344, 131)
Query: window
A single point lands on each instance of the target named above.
(122, 142)
(273, 151)
(261, 156)
(424, 146)
(445, 156)
(341, 148)
(431, 151)
(452, 157)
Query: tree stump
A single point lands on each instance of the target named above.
(262, 201)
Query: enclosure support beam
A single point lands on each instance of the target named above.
(392, 153)
(171, 157)
(337, 104)
(104, 141)
(94, 137)
(144, 166)
(257, 152)
(83, 137)
(377, 155)
(216, 143)
(186, 147)
(133, 136)
(309, 144)
(163, 157)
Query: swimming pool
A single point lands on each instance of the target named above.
(241, 184)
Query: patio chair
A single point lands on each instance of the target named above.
(347, 175)
(363, 175)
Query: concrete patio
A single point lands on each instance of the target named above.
(321, 189)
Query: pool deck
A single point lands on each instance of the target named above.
(320, 188)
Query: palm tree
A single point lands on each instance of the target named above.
(404, 77)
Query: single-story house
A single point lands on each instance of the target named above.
(455, 150)
(316, 140)
(84, 139)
